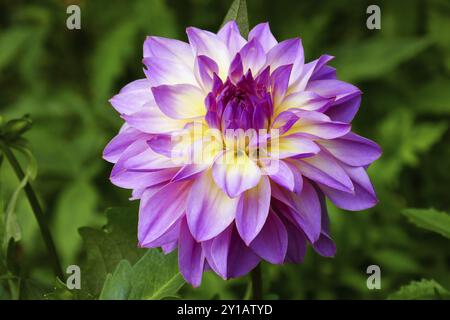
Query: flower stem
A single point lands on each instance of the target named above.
(37, 210)
(256, 283)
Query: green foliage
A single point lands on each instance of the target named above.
(430, 219)
(155, 276)
(420, 290)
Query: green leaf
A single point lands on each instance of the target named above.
(118, 285)
(60, 292)
(430, 219)
(375, 57)
(420, 290)
(17, 127)
(238, 12)
(106, 248)
(155, 276)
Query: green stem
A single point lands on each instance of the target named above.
(37, 210)
(256, 283)
(14, 288)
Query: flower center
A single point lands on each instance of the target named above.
(244, 103)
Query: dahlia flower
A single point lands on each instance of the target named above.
(232, 146)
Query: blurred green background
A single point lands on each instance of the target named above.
(64, 78)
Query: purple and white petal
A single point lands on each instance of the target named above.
(157, 217)
(160, 71)
(181, 101)
(352, 149)
(235, 174)
(231, 36)
(362, 198)
(174, 50)
(263, 35)
(253, 210)
(132, 97)
(211, 45)
(209, 209)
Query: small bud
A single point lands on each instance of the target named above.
(17, 127)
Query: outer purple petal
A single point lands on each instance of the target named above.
(303, 209)
(271, 243)
(352, 149)
(169, 237)
(150, 119)
(220, 249)
(305, 100)
(253, 210)
(174, 50)
(123, 177)
(324, 169)
(148, 160)
(132, 97)
(364, 196)
(324, 245)
(318, 125)
(209, 210)
(156, 217)
(346, 97)
(191, 258)
(346, 109)
(164, 71)
(135, 179)
(297, 243)
(241, 259)
(169, 247)
(308, 71)
(121, 142)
